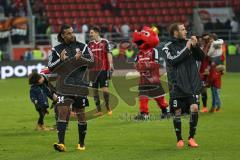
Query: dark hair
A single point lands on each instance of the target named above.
(214, 36)
(173, 27)
(33, 78)
(62, 30)
(96, 29)
(206, 34)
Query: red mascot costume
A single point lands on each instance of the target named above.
(147, 64)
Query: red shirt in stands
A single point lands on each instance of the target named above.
(100, 51)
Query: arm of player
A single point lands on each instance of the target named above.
(110, 60)
(197, 53)
(87, 55)
(53, 59)
(177, 58)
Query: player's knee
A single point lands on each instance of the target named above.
(105, 90)
(178, 112)
(194, 108)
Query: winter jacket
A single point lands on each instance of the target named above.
(182, 70)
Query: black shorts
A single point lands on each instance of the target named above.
(184, 103)
(99, 79)
(75, 101)
(151, 91)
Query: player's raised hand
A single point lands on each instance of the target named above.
(63, 55)
(188, 45)
(193, 41)
(78, 55)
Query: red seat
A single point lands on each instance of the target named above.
(183, 18)
(75, 14)
(80, 6)
(50, 7)
(68, 1)
(67, 20)
(132, 13)
(99, 13)
(125, 19)
(107, 13)
(59, 7)
(73, 7)
(133, 20)
(91, 14)
(124, 12)
(181, 11)
(151, 19)
(187, 4)
(140, 12)
(110, 20)
(58, 14)
(189, 11)
(148, 12)
(81, 13)
(131, 5)
(117, 20)
(165, 11)
(167, 19)
(178, 4)
(66, 14)
(100, 20)
(53, 21)
(172, 11)
(139, 6)
(163, 4)
(96, 6)
(171, 4)
(142, 19)
(145, 5)
(175, 18)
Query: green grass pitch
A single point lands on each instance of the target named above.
(117, 137)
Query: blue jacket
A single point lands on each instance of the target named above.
(39, 94)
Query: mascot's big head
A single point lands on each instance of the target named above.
(146, 39)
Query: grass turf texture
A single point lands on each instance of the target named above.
(117, 137)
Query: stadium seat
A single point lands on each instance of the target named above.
(132, 13)
(163, 4)
(117, 21)
(75, 14)
(50, 8)
(187, 4)
(167, 19)
(136, 12)
(73, 7)
(189, 11)
(151, 19)
(172, 11)
(133, 20)
(124, 12)
(91, 13)
(138, 6)
(142, 19)
(99, 13)
(96, 6)
(107, 13)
